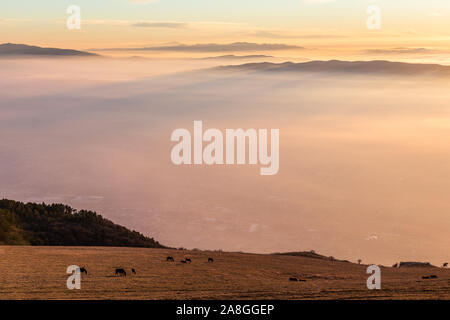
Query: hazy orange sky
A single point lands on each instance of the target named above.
(411, 29)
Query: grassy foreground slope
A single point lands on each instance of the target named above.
(40, 273)
(60, 225)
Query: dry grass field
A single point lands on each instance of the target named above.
(40, 273)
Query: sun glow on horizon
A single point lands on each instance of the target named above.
(411, 30)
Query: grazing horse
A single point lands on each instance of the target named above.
(83, 270)
(188, 260)
(295, 279)
(121, 272)
(210, 260)
(170, 259)
(132, 270)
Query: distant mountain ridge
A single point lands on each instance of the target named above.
(60, 225)
(9, 49)
(416, 264)
(235, 57)
(309, 254)
(352, 67)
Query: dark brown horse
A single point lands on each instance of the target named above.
(296, 279)
(121, 272)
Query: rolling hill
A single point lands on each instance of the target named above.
(40, 273)
(348, 67)
(60, 225)
(309, 254)
(11, 49)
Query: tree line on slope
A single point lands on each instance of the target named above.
(60, 225)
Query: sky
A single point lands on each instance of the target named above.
(323, 26)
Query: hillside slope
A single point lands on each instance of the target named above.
(40, 273)
(309, 254)
(60, 225)
(376, 67)
(8, 49)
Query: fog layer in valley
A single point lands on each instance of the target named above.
(364, 160)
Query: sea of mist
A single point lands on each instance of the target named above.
(364, 159)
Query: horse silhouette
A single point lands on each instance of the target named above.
(296, 279)
(121, 272)
(83, 270)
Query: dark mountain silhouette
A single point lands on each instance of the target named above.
(416, 264)
(9, 49)
(235, 57)
(349, 67)
(309, 254)
(60, 225)
(211, 47)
